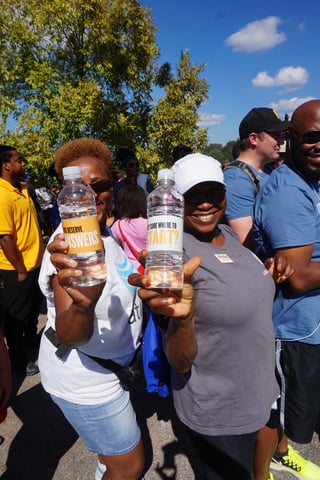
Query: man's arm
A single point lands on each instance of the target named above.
(243, 227)
(306, 274)
(13, 255)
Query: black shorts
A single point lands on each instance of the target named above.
(224, 457)
(298, 371)
(274, 420)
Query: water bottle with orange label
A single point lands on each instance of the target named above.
(77, 208)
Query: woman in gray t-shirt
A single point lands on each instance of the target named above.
(222, 354)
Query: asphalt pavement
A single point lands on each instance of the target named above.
(40, 445)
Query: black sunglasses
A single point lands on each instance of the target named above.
(100, 186)
(283, 134)
(311, 136)
(213, 195)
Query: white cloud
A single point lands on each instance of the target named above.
(209, 120)
(291, 78)
(288, 106)
(257, 36)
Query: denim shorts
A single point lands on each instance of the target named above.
(107, 428)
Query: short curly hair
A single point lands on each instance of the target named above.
(82, 147)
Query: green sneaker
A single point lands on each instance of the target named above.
(270, 476)
(297, 465)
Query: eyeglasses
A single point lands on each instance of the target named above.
(311, 136)
(283, 135)
(100, 186)
(133, 164)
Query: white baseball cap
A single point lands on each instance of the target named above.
(196, 168)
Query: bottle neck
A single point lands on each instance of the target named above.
(72, 180)
(166, 183)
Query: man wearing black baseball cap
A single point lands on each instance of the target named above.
(262, 133)
(261, 120)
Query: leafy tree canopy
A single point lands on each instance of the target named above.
(175, 117)
(223, 153)
(69, 69)
(88, 68)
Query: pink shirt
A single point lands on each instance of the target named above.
(135, 230)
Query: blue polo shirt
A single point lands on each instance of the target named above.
(287, 214)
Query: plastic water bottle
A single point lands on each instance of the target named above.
(165, 234)
(77, 208)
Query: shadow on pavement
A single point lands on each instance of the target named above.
(44, 437)
(146, 405)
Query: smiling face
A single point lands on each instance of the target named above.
(205, 206)
(93, 169)
(305, 139)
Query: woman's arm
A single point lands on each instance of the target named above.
(74, 305)
(279, 267)
(179, 340)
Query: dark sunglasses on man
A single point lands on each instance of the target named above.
(310, 137)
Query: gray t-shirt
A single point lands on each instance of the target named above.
(231, 386)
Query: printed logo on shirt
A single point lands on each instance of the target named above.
(223, 258)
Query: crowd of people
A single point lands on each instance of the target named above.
(239, 337)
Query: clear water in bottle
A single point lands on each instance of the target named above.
(81, 228)
(164, 263)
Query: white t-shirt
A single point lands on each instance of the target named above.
(116, 335)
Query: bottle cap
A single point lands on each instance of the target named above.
(165, 174)
(71, 172)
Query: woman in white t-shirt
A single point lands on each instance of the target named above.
(103, 321)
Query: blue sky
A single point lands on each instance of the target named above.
(255, 54)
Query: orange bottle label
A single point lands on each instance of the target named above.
(82, 234)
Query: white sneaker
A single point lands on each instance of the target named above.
(100, 471)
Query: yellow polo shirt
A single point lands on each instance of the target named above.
(18, 217)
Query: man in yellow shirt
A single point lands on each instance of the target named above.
(21, 250)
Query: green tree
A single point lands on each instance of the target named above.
(69, 69)
(215, 150)
(223, 153)
(175, 117)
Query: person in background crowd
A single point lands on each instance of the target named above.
(287, 222)
(54, 212)
(129, 162)
(221, 349)
(103, 321)
(131, 227)
(261, 137)
(180, 151)
(20, 258)
(47, 200)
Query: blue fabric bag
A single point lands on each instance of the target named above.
(155, 364)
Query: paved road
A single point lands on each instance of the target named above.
(40, 445)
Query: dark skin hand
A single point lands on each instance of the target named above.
(74, 305)
(179, 340)
(279, 268)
